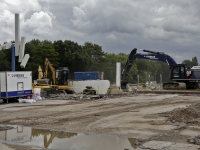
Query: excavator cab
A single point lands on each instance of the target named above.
(189, 77)
(62, 75)
(178, 72)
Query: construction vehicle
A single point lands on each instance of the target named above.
(40, 73)
(182, 78)
(59, 76)
(40, 82)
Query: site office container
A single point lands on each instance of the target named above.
(15, 84)
(87, 75)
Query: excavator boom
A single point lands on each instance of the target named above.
(48, 65)
(59, 76)
(42, 78)
(150, 55)
(127, 68)
(40, 73)
(159, 56)
(179, 74)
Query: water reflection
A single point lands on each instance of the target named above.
(18, 134)
(65, 140)
(51, 134)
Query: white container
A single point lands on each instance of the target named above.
(15, 84)
(101, 86)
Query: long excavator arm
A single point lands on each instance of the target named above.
(127, 68)
(40, 73)
(159, 56)
(151, 55)
(48, 65)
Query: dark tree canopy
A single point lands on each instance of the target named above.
(86, 57)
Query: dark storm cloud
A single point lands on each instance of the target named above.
(118, 26)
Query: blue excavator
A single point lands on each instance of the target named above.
(181, 77)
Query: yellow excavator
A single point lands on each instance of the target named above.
(40, 81)
(59, 77)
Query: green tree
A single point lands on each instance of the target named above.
(73, 56)
(195, 61)
(39, 50)
(95, 56)
(108, 65)
(61, 49)
(189, 64)
(5, 65)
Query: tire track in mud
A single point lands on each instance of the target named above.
(88, 114)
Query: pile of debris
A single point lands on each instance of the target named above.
(88, 94)
(188, 115)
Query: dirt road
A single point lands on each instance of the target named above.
(164, 117)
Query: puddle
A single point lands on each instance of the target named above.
(64, 140)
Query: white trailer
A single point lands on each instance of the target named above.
(14, 84)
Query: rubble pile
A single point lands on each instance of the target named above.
(188, 115)
(75, 96)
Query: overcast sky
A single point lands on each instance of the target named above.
(169, 26)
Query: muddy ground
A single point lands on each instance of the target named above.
(146, 117)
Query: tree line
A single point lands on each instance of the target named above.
(86, 57)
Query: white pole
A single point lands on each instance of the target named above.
(102, 75)
(21, 50)
(17, 34)
(118, 74)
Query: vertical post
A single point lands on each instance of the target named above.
(138, 79)
(146, 77)
(149, 79)
(118, 74)
(160, 81)
(13, 57)
(102, 75)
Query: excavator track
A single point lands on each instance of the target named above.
(174, 86)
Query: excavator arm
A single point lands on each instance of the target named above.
(127, 68)
(48, 65)
(151, 55)
(40, 73)
(159, 56)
